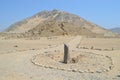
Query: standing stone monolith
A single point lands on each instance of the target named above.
(66, 54)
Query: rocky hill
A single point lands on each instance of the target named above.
(116, 30)
(54, 23)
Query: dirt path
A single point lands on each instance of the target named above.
(18, 66)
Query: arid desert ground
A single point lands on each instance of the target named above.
(29, 59)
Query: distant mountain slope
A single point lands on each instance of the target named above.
(116, 30)
(49, 23)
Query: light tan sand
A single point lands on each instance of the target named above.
(16, 55)
(100, 43)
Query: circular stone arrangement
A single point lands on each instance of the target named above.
(80, 62)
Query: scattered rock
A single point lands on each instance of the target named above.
(85, 62)
(118, 75)
(74, 60)
(15, 45)
(92, 47)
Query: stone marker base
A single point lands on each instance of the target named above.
(80, 62)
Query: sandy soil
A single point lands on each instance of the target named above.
(100, 43)
(16, 56)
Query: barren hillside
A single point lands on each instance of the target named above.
(54, 23)
(116, 30)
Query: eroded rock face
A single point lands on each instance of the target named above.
(79, 62)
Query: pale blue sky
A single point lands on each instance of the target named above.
(105, 13)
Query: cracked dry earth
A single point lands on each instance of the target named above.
(18, 65)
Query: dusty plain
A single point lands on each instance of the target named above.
(16, 58)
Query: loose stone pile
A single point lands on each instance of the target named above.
(83, 62)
